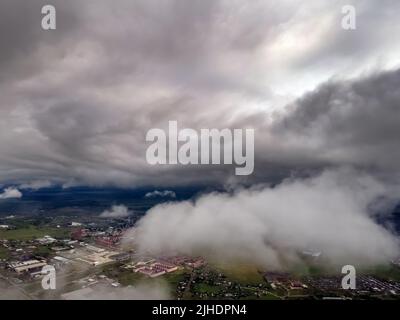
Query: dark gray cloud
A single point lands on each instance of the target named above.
(77, 102)
(24, 45)
(350, 122)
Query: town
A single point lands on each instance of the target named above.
(89, 255)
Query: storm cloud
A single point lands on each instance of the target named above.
(76, 102)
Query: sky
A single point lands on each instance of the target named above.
(76, 102)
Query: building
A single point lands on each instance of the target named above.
(27, 266)
(46, 240)
(108, 242)
(94, 249)
(193, 262)
(76, 224)
(310, 254)
(121, 256)
(60, 261)
(157, 269)
(150, 272)
(78, 234)
(97, 258)
(276, 277)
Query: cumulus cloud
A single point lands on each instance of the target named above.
(118, 211)
(10, 193)
(164, 193)
(270, 226)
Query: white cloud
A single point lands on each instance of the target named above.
(164, 193)
(119, 211)
(10, 193)
(269, 226)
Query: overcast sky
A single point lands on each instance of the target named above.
(76, 102)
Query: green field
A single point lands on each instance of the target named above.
(241, 273)
(33, 232)
(206, 288)
(43, 251)
(4, 253)
(384, 272)
(174, 278)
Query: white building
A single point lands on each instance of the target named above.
(20, 267)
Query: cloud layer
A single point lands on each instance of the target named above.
(269, 226)
(76, 102)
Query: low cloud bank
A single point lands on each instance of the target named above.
(119, 211)
(269, 226)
